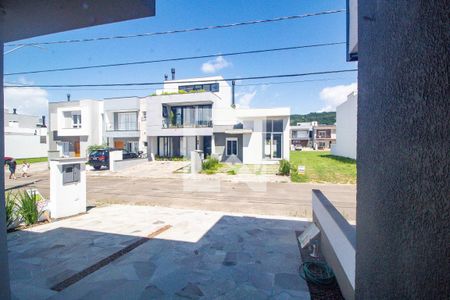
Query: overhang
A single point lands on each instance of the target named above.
(238, 131)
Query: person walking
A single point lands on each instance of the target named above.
(12, 164)
(25, 169)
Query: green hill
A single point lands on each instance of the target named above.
(327, 118)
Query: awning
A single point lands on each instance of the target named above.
(238, 131)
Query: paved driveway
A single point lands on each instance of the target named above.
(208, 255)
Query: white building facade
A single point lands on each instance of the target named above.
(187, 116)
(76, 125)
(346, 122)
(25, 135)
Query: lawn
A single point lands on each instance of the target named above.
(321, 166)
(31, 160)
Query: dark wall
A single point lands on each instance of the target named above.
(219, 143)
(403, 221)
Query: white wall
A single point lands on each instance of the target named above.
(25, 146)
(253, 143)
(346, 120)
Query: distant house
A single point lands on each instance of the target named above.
(25, 135)
(346, 119)
(324, 136)
(302, 135)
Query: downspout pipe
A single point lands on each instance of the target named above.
(233, 104)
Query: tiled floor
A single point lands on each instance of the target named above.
(204, 255)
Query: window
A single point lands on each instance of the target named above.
(273, 139)
(322, 133)
(232, 146)
(76, 120)
(189, 116)
(127, 121)
(144, 116)
(210, 87)
(43, 139)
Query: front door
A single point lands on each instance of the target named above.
(76, 148)
(119, 144)
(207, 145)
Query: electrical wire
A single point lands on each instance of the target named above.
(278, 19)
(184, 81)
(175, 59)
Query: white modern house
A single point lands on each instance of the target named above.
(346, 120)
(25, 135)
(74, 126)
(199, 114)
(115, 122)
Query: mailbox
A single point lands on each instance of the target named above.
(71, 173)
(67, 187)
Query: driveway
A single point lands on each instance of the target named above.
(133, 252)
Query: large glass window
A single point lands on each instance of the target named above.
(190, 116)
(273, 139)
(127, 121)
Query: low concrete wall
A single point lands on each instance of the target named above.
(337, 242)
(120, 165)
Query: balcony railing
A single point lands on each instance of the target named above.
(199, 124)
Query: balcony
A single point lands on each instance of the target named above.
(198, 124)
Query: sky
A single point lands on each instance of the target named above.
(318, 93)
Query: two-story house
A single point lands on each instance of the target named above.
(114, 122)
(198, 114)
(302, 134)
(74, 126)
(324, 136)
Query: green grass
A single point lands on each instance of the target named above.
(322, 167)
(31, 160)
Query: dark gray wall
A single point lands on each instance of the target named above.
(403, 228)
(219, 143)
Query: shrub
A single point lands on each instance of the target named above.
(10, 206)
(231, 172)
(284, 168)
(211, 163)
(27, 207)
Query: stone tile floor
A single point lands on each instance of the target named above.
(204, 255)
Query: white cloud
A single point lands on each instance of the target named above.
(27, 100)
(244, 99)
(214, 65)
(335, 95)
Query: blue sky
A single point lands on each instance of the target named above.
(178, 14)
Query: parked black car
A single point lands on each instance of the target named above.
(99, 158)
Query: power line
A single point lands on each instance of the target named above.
(185, 81)
(176, 89)
(288, 82)
(278, 19)
(175, 59)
